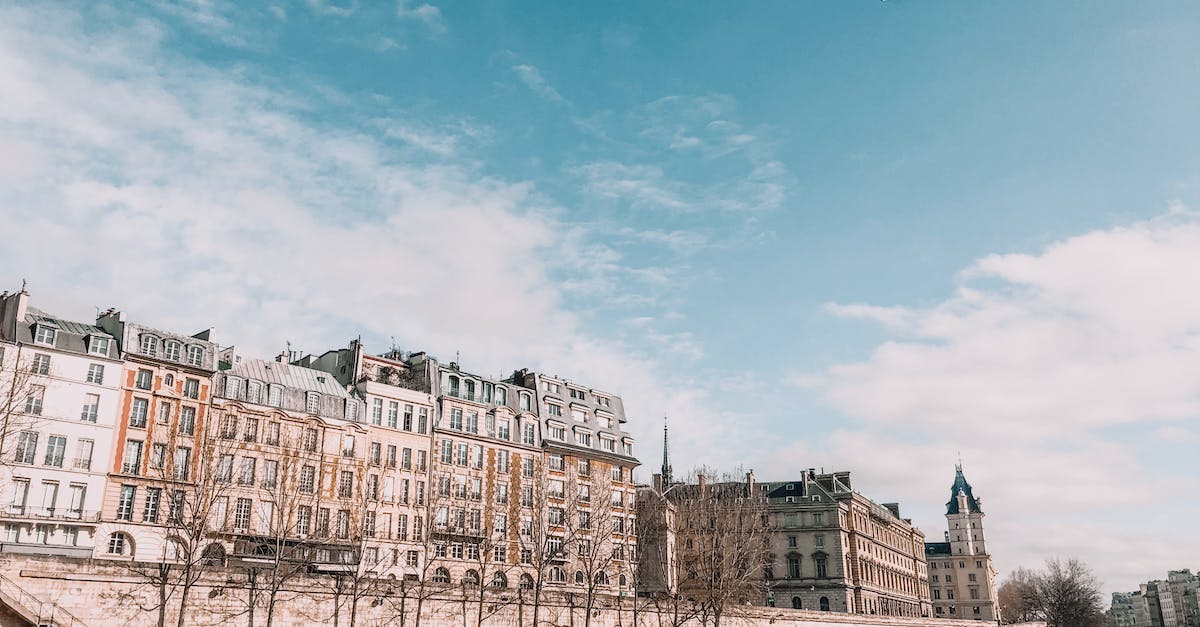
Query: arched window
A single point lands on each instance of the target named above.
(470, 578)
(579, 578)
(602, 578)
(453, 386)
(824, 604)
(172, 350)
(169, 380)
(526, 402)
(469, 387)
(195, 356)
(796, 604)
(441, 575)
(526, 581)
(557, 574)
(120, 543)
(622, 581)
(213, 555)
(499, 580)
(501, 395)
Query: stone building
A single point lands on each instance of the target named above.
(836, 550)
(61, 384)
(1174, 602)
(165, 396)
(1121, 613)
(961, 575)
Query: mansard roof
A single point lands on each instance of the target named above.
(937, 548)
(288, 375)
(961, 487)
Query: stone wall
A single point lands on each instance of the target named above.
(103, 593)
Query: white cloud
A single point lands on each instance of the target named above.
(192, 197)
(1033, 369)
(427, 14)
(532, 77)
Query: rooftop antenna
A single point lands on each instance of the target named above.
(23, 283)
(458, 358)
(393, 343)
(958, 466)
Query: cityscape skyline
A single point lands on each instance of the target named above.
(888, 234)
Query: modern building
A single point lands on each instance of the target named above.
(61, 383)
(961, 575)
(165, 395)
(837, 550)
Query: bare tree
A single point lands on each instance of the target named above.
(1068, 594)
(722, 539)
(1018, 597)
(593, 526)
(22, 389)
(193, 488)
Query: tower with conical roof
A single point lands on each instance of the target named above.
(961, 576)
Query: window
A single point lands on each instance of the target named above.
(971, 577)
(422, 419)
(554, 410)
(158, 455)
(376, 456)
(119, 544)
(343, 523)
(246, 471)
(191, 388)
(312, 403)
(132, 462)
(351, 410)
(421, 460)
(26, 447)
(373, 487)
(233, 385)
(472, 425)
(33, 402)
(627, 447)
(144, 379)
(308, 475)
(171, 350)
(125, 503)
(456, 419)
(578, 415)
(195, 355)
(583, 438)
(502, 429)
(347, 445)
(83, 454)
(95, 374)
(819, 540)
(137, 413)
(303, 520)
(253, 392)
(310, 440)
(608, 444)
(41, 364)
(585, 467)
(45, 335)
(323, 521)
(250, 430)
(529, 434)
(526, 403)
(164, 412)
(183, 463)
(502, 461)
(91, 407)
(618, 474)
(558, 432)
(346, 484)
(821, 568)
(150, 512)
(241, 514)
(225, 468)
(408, 418)
(556, 462)
(187, 420)
(270, 473)
(974, 593)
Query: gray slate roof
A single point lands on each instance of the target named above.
(287, 375)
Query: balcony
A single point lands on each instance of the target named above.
(50, 514)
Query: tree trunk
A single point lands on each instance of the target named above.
(183, 598)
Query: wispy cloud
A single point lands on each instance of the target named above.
(193, 197)
(1060, 376)
(426, 14)
(532, 77)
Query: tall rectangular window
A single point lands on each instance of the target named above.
(20, 496)
(150, 513)
(95, 374)
(165, 410)
(187, 420)
(33, 402)
(241, 514)
(303, 520)
(144, 380)
(183, 463)
(91, 408)
(138, 412)
(158, 455)
(422, 419)
(76, 499)
(56, 447)
(456, 419)
(408, 417)
(346, 484)
(41, 364)
(195, 355)
(270, 473)
(405, 458)
(393, 411)
(275, 395)
(27, 443)
(246, 472)
(391, 456)
(125, 503)
(250, 430)
(530, 434)
(308, 476)
(191, 388)
(131, 464)
(83, 454)
(377, 411)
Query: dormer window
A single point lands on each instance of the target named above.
(526, 402)
(275, 395)
(351, 410)
(313, 403)
(172, 350)
(501, 395)
(149, 345)
(232, 387)
(195, 356)
(554, 410)
(253, 391)
(45, 335)
(453, 386)
(98, 345)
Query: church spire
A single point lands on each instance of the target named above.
(666, 463)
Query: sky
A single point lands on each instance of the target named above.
(854, 235)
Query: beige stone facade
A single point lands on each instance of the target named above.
(961, 575)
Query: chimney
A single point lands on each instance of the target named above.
(750, 481)
(656, 482)
(806, 474)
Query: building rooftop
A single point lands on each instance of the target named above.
(961, 487)
(288, 375)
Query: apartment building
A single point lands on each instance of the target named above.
(1173, 602)
(165, 388)
(590, 462)
(398, 417)
(61, 382)
(835, 549)
(961, 575)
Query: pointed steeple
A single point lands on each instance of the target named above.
(960, 493)
(666, 463)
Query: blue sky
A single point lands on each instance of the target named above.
(862, 235)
